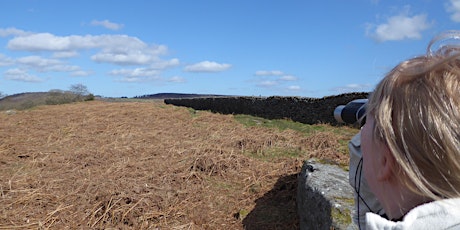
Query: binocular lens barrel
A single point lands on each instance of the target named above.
(352, 112)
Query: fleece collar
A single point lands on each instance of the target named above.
(442, 214)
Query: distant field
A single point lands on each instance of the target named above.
(147, 165)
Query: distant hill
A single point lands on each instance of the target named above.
(178, 96)
(23, 96)
(23, 100)
(28, 100)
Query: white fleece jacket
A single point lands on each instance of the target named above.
(443, 214)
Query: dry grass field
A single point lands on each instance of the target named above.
(147, 165)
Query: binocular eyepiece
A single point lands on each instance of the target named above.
(352, 113)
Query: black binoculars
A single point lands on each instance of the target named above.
(353, 113)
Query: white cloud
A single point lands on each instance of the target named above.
(353, 88)
(65, 54)
(399, 27)
(37, 61)
(5, 61)
(40, 42)
(115, 49)
(268, 83)
(137, 74)
(80, 73)
(41, 64)
(207, 66)
(275, 78)
(453, 6)
(165, 64)
(61, 68)
(12, 32)
(294, 88)
(269, 73)
(107, 24)
(130, 79)
(132, 58)
(21, 75)
(177, 79)
(288, 78)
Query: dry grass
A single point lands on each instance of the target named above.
(132, 165)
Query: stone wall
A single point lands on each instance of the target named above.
(299, 109)
(324, 197)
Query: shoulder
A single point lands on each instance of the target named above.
(442, 214)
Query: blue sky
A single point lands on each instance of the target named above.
(239, 47)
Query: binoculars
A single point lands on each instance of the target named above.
(353, 113)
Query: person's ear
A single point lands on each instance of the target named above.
(388, 163)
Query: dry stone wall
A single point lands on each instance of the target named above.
(324, 197)
(299, 109)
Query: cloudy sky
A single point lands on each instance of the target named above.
(252, 48)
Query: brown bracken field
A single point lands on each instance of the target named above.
(147, 165)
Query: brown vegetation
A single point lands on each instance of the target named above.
(101, 165)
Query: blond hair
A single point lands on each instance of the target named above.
(417, 114)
